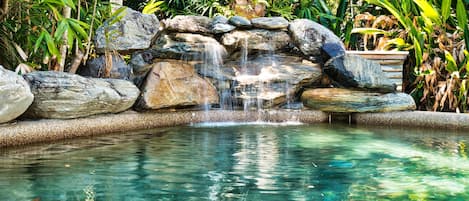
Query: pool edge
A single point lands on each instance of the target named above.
(46, 130)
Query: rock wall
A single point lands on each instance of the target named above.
(195, 61)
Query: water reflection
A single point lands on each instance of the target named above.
(247, 162)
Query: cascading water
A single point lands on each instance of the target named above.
(212, 64)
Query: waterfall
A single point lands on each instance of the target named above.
(212, 64)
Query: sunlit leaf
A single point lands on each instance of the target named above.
(428, 10)
(451, 65)
(370, 31)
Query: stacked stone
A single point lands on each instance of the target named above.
(190, 60)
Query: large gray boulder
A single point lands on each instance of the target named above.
(64, 96)
(356, 71)
(133, 32)
(15, 95)
(96, 68)
(315, 40)
(175, 84)
(256, 39)
(355, 101)
(188, 24)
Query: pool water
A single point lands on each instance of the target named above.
(243, 162)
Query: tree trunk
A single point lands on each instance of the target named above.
(66, 13)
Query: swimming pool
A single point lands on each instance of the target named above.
(231, 161)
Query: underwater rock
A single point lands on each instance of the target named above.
(256, 39)
(270, 22)
(356, 71)
(315, 40)
(240, 22)
(175, 84)
(355, 101)
(184, 46)
(188, 24)
(133, 32)
(96, 67)
(15, 95)
(64, 96)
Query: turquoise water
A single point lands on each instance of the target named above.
(243, 162)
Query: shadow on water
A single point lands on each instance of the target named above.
(243, 162)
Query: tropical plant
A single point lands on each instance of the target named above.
(437, 32)
(49, 34)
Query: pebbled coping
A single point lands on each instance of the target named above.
(421, 119)
(33, 131)
(46, 130)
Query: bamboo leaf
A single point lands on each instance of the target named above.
(61, 28)
(39, 40)
(51, 46)
(152, 6)
(78, 29)
(445, 9)
(69, 3)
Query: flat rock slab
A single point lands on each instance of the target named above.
(15, 95)
(270, 22)
(186, 46)
(188, 24)
(61, 95)
(256, 39)
(240, 22)
(133, 32)
(355, 101)
(175, 84)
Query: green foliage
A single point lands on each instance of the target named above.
(438, 34)
(37, 27)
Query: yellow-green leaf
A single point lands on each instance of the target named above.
(451, 65)
(369, 31)
(428, 10)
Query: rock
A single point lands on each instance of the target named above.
(188, 24)
(134, 31)
(184, 46)
(15, 95)
(270, 22)
(351, 101)
(240, 22)
(174, 84)
(315, 40)
(256, 39)
(356, 71)
(63, 96)
(222, 28)
(96, 67)
(140, 64)
(272, 80)
(219, 19)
